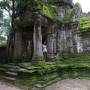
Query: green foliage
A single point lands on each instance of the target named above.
(6, 5)
(3, 45)
(29, 5)
(68, 58)
(4, 31)
(84, 22)
(40, 6)
(36, 61)
(68, 16)
(1, 13)
(5, 27)
(49, 11)
(66, 1)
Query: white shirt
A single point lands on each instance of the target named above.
(44, 48)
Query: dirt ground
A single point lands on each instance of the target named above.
(6, 86)
(70, 84)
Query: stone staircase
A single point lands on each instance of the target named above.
(12, 73)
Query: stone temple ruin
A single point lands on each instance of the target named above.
(60, 36)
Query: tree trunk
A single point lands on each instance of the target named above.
(10, 41)
(37, 39)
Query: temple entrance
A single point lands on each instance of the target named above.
(27, 44)
(44, 35)
(49, 37)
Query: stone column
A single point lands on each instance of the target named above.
(18, 44)
(70, 41)
(51, 41)
(78, 43)
(61, 40)
(69, 36)
(37, 39)
(77, 40)
(64, 39)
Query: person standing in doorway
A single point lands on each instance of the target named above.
(44, 47)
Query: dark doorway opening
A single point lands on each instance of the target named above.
(44, 35)
(27, 44)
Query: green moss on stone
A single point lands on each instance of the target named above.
(3, 45)
(49, 11)
(84, 22)
(38, 61)
(68, 16)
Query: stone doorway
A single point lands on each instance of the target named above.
(44, 35)
(27, 44)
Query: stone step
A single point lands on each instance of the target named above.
(15, 67)
(13, 70)
(9, 78)
(12, 73)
